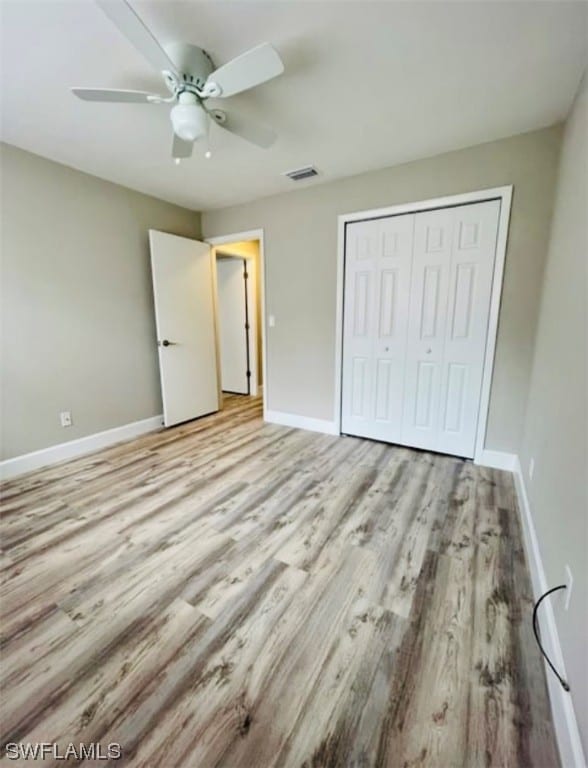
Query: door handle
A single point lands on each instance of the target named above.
(166, 343)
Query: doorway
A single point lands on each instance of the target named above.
(189, 323)
(239, 279)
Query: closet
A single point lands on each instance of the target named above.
(417, 291)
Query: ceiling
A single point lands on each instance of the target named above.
(367, 85)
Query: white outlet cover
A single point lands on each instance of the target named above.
(271, 321)
(65, 418)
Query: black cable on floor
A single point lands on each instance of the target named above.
(564, 684)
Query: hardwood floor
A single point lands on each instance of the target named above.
(233, 593)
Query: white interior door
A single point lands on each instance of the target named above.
(453, 266)
(429, 290)
(416, 309)
(184, 314)
(378, 258)
(233, 324)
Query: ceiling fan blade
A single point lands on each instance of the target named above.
(181, 149)
(255, 133)
(128, 22)
(248, 70)
(115, 94)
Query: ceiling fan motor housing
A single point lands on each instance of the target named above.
(193, 64)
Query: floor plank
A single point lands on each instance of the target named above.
(239, 594)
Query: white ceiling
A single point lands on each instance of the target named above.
(367, 85)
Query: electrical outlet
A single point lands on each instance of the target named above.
(65, 418)
(569, 582)
(531, 468)
(271, 321)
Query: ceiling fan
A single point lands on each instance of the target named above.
(191, 79)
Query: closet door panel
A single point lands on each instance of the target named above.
(359, 327)
(379, 255)
(427, 321)
(393, 279)
(470, 288)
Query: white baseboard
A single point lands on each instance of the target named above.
(564, 717)
(497, 460)
(55, 453)
(301, 422)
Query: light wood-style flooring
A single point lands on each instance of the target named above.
(239, 594)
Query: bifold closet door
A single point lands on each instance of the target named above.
(451, 285)
(378, 257)
(416, 309)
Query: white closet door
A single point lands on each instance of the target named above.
(470, 287)
(450, 302)
(378, 256)
(426, 327)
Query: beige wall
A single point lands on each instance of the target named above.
(555, 433)
(77, 318)
(250, 249)
(300, 254)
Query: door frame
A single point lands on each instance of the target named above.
(251, 234)
(504, 194)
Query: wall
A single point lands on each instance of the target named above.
(250, 248)
(555, 433)
(77, 319)
(300, 242)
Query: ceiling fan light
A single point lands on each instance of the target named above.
(189, 121)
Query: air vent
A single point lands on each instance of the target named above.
(302, 173)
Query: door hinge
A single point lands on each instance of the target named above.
(248, 374)
(247, 326)
(245, 275)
